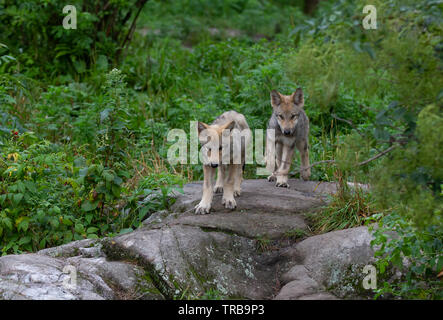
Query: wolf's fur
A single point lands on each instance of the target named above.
(230, 175)
(291, 127)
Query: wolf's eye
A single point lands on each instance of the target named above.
(280, 116)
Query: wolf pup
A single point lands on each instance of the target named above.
(291, 127)
(227, 153)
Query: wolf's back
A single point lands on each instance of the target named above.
(238, 118)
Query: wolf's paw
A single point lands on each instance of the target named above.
(218, 189)
(237, 193)
(306, 174)
(229, 203)
(282, 184)
(202, 208)
(272, 178)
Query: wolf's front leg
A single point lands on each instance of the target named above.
(305, 171)
(238, 178)
(283, 170)
(205, 204)
(276, 161)
(228, 185)
(219, 183)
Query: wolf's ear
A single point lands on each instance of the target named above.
(201, 126)
(275, 98)
(229, 126)
(298, 98)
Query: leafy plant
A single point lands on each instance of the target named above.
(416, 253)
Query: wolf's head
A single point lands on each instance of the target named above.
(210, 137)
(287, 109)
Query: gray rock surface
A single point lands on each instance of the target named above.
(330, 253)
(71, 276)
(334, 260)
(262, 196)
(248, 224)
(254, 252)
(186, 258)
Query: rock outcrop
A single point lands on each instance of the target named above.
(262, 250)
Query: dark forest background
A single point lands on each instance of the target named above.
(84, 113)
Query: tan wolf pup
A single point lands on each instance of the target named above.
(291, 127)
(225, 148)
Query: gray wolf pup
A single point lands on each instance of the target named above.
(223, 147)
(291, 127)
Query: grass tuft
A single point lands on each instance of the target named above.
(349, 207)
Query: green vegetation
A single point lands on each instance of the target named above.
(349, 207)
(295, 234)
(85, 113)
(263, 244)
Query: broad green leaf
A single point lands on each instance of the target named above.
(24, 240)
(30, 185)
(108, 176)
(127, 230)
(92, 230)
(79, 228)
(17, 198)
(23, 225)
(89, 206)
(68, 236)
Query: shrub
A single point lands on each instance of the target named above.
(46, 199)
(416, 253)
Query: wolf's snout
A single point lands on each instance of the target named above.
(287, 132)
(214, 165)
